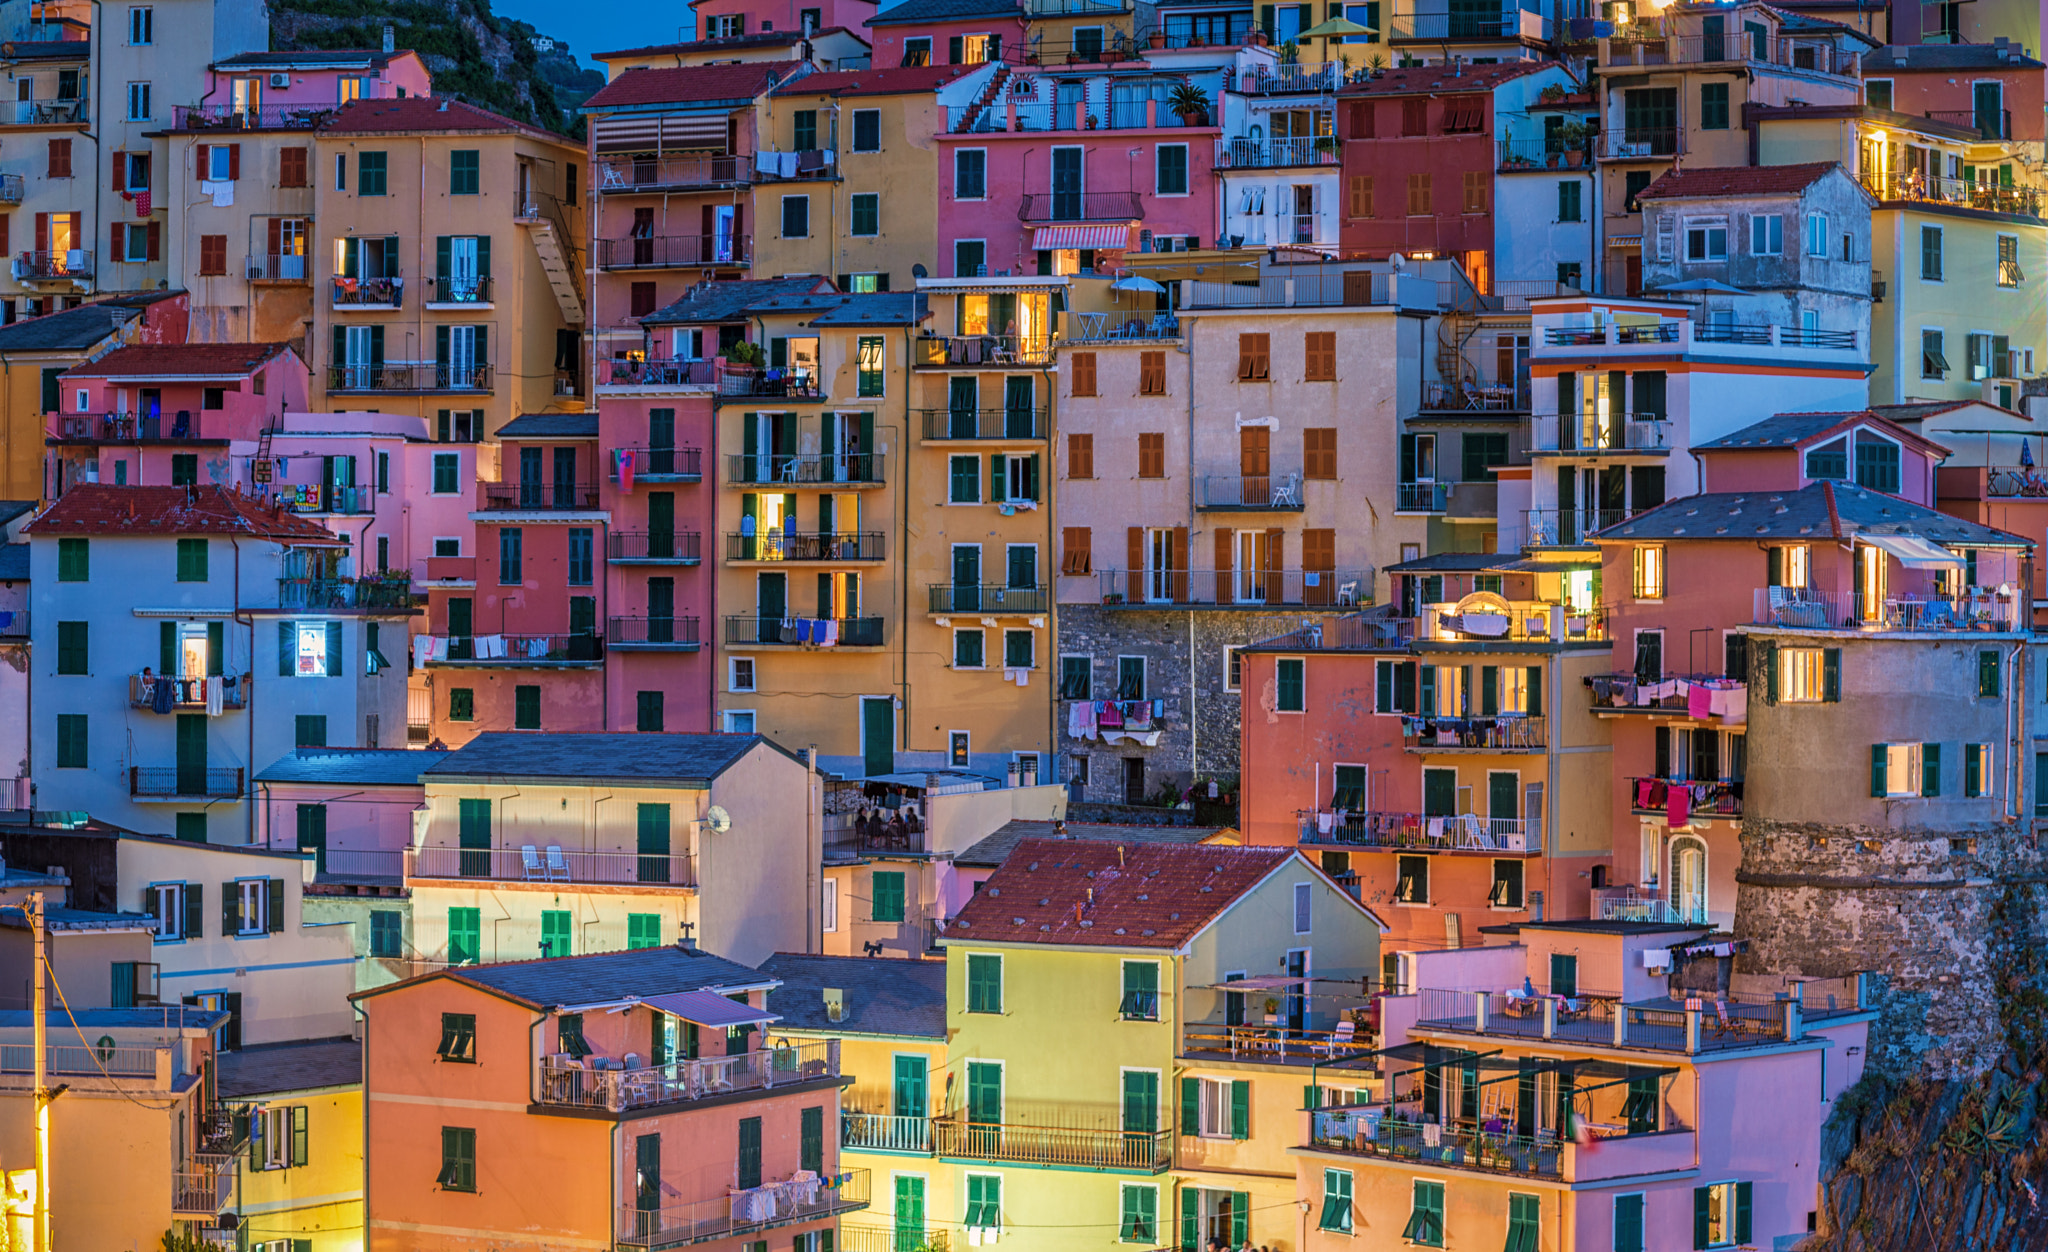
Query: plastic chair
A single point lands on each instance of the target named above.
(558, 868)
(529, 862)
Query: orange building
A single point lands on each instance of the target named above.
(647, 1112)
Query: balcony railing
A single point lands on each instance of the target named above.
(262, 117)
(575, 648)
(1547, 528)
(748, 380)
(325, 498)
(1533, 621)
(788, 469)
(757, 1209)
(679, 633)
(16, 625)
(792, 632)
(1476, 396)
(1419, 832)
(1312, 288)
(128, 1062)
(683, 465)
(1992, 197)
(134, 427)
(1481, 734)
(1068, 1147)
(954, 350)
(1235, 588)
(1639, 144)
(1988, 123)
(51, 112)
(1422, 497)
(1005, 423)
(201, 1189)
(12, 188)
(362, 862)
(1082, 206)
(387, 291)
(1441, 27)
(382, 591)
(629, 175)
(1278, 492)
(164, 695)
(459, 289)
(775, 545)
(1660, 1024)
(1529, 154)
(568, 1084)
(1667, 693)
(218, 782)
(422, 377)
(277, 268)
(1245, 154)
(1716, 798)
(1275, 1042)
(884, 1132)
(987, 598)
(1799, 606)
(658, 252)
(1585, 336)
(549, 864)
(658, 372)
(64, 266)
(1640, 432)
(662, 547)
(1801, 54)
(544, 496)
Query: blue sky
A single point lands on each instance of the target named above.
(602, 25)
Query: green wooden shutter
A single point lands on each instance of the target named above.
(273, 905)
(441, 346)
(1830, 675)
(1987, 673)
(1190, 1218)
(998, 478)
(1930, 769)
(750, 1153)
(811, 1149)
(1535, 688)
(377, 347)
(483, 256)
(1428, 703)
(1191, 1106)
(195, 916)
(1628, 1223)
(1240, 1218)
(443, 248)
(334, 668)
(299, 1135)
(216, 649)
(1702, 1200)
(167, 649)
(1240, 1109)
(1742, 1212)
(230, 908)
(1489, 690)
(1383, 674)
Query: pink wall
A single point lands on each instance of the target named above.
(787, 15)
(887, 41)
(1947, 93)
(244, 413)
(359, 818)
(1784, 470)
(406, 75)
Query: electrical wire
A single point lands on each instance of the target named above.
(93, 1052)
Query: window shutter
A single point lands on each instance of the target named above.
(1742, 1212)
(334, 668)
(273, 911)
(483, 256)
(1701, 1199)
(203, 160)
(1134, 563)
(216, 649)
(1240, 1218)
(1489, 690)
(156, 240)
(1930, 769)
(1384, 700)
(1535, 688)
(1428, 703)
(284, 649)
(1240, 1109)
(1877, 780)
(998, 478)
(1180, 558)
(1190, 1106)
(1190, 1218)
(167, 649)
(1830, 675)
(1987, 673)
(195, 896)
(1766, 665)
(230, 909)
(298, 1132)
(234, 161)
(1660, 763)
(444, 252)
(116, 235)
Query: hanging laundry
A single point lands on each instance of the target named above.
(1108, 716)
(831, 632)
(1699, 701)
(624, 459)
(1677, 806)
(215, 695)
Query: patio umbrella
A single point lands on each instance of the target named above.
(1335, 28)
(1138, 282)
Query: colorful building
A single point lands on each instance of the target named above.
(302, 1172)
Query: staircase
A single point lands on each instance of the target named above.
(1453, 331)
(549, 244)
(991, 94)
(262, 452)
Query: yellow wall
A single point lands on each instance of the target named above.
(230, 307)
(322, 1200)
(907, 224)
(1967, 300)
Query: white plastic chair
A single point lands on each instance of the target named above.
(1340, 1037)
(529, 862)
(558, 868)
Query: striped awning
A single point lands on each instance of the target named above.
(671, 133)
(1057, 238)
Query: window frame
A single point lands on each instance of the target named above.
(1300, 684)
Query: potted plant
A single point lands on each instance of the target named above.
(1157, 39)
(1093, 121)
(1553, 94)
(1191, 102)
(1573, 135)
(1326, 145)
(1290, 53)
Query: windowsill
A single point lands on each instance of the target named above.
(160, 942)
(1411, 904)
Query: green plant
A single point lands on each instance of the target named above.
(1572, 134)
(743, 353)
(1551, 94)
(1187, 98)
(1375, 62)
(1290, 52)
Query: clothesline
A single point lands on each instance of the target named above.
(1116, 720)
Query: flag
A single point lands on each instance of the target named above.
(1582, 1135)
(142, 203)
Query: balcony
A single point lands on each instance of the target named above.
(749, 1212)
(277, 268)
(459, 291)
(1626, 1148)
(15, 626)
(1314, 287)
(1990, 124)
(1044, 208)
(845, 838)
(1783, 336)
(1917, 189)
(325, 498)
(537, 497)
(864, 545)
(1825, 610)
(386, 291)
(795, 632)
(136, 428)
(1524, 621)
(1469, 26)
(1660, 1024)
(1421, 497)
(1551, 528)
(1271, 1042)
(993, 600)
(52, 112)
(784, 469)
(885, 1132)
(1058, 1147)
(1479, 735)
(419, 378)
(550, 864)
(655, 547)
(1590, 434)
(565, 1083)
(1252, 589)
(991, 425)
(1014, 114)
(1680, 801)
(166, 695)
(70, 265)
(653, 634)
(1478, 397)
(1670, 695)
(12, 188)
(1256, 154)
(178, 782)
(577, 648)
(665, 252)
(263, 117)
(658, 372)
(660, 465)
(1451, 834)
(639, 175)
(1639, 143)
(956, 351)
(202, 1189)
(373, 593)
(358, 863)
(1534, 154)
(1798, 54)
(1075, 8)
(1095, 328)
(748, 380)
(1299, 78)
(1594, 336)
(1277, 493)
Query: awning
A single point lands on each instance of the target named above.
(1056, 238)
(708, 1008)
(1914, 552)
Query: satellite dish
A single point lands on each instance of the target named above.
(1397, 260)
(718, 819)
(917, 270)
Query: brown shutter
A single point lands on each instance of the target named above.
(115, 237)
(1180, 562)
(1224, 538)
(1084, 373)
(1079, 557)
(1080, 456)
(234, 161)
(6, 246)
(1254, 452)
(276, 243)
(156, 236)
(200, 161)
(1134, 564)
(1265, 356)
(120, 168)
(291, 167)
(1273, 557)
(1319, 556)
(42, 232)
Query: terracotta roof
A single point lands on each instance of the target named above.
(181, 360)
(1790, 430)
(103, 509)
(1072, 891)
(1737, 180)
(1443, 79)
(901, 80)
(691, 84)
(426, 114)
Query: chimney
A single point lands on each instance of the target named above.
(390, 38)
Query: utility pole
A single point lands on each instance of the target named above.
(42, 1091)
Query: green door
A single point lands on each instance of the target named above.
(1017, 406)
(1141, 1117)
(1439, 792)
(771, 599)
(313, 833)
(878, 735)
(474, 834)
(1503, 798)
(661, 524)
(465, 936)
(966, 578)
(459, 628)
(909, 1212)
(647, 1180)
(912, 1086)
(654, 844)
(191, 754)
(961, 400)
(554, 932)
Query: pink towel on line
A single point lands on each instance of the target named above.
(1698, 700)
(1677, 806)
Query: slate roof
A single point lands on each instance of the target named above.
(51, 50)
(551, 426)
(104, 509)
(1948, 56)
(181, 360)
(79, 329)
(327, 58)
(899, 80)
(1820, 510)
(1789, 430)
(674, 759)
(759, 39)
(885, 308)
(730, 301)
(275, 1068)
(883, 996)
(601, 977)
(1143, 895)
(915, 11)
(1932, 408)
(13, 562)
(994, 849)
(64, 917)
(1737, 180)
(358, 767)
(1441, 79)
(692, 84)
(427, 114)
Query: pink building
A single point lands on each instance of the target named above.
(170, 414)
(383, 481)
(267, 89)
(1995, 87)
(948, 32)
(352, 807)
(732, 19)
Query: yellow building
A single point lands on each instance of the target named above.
(302, 1173)
(448, 280)
(50, 182)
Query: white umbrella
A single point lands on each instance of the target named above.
(1137, 282)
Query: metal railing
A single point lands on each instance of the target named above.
(50, 266)
(1581, 336)
(262, 117)
(531, 496)
(1275, 1041)
(1314, 287)
(754, 630)
(52, 112)
(16, 625)
(864, 545)
(1275, 153)
(164, 781)
(278, 267)
(423, 376)
(1528, 154)
(1422, 497)
(627, 175)
(1437, 27)
(362, 862)
(201, 1189)
(132, 427)
(325, 498)
(616, 1090)
(1418, 832)
(786, 468)
(549, 864)
(684, 547)
(1716, 798)
(158, 691)
(1003, 423)
(988, 598)
(797, 1199)
(574, 648)
(748, 380)
(654, 632)
(1241, 588)
(1988, 123)
(952, 350)
(663, 464)
(885, 1132)
(1530, 620)
(12, 188)
(658, 372)
(1479, 395)
(1639, 143)
(1346, 1130)
(1483, 734)
(654, 252)
(1294, 78)
(386, 291)
(1069, 1147)
(1568, 527)
(1623, 690)
(1993, 197)
(1081, 206)
(459, 289)
(120, 1062)
(1799, 606)
(1802, 54)
(1612, 432)
(383, 591)
(1279, 492)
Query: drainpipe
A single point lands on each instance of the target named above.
(1048, 769)
(1187, 350)
(902, 555)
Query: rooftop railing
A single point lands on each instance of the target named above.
(261, 117)
(569, 1083)
(803, 1197)
(1058, 1146)
(549, 864)
(1236, 588)
(654, 252)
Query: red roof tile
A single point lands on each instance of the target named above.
(426, 114)
(1132, 895)
(180, 360)
(900, 80)
(1737, 180)
(1442, 79)
(691, 84)
(102, 509)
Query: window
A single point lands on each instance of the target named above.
(1213, 1108)
(447, 472)
(1076, 678)
(740, 674)
(1476, 183)
(2009, 274)
(74, 560)
(458, 1037)
(1140, 1000)
(1304, 908)
(887, 895)
(964, 479)
(1933, 361)
(191, 560)
(1720, 1215)
(370, 179)
(72, 647)
(213, 252)
(970, 174)
(458, 1159)
(1817, 236)
(984, 1202)
(1990, 674)
(867, 130)
(1904, 769)
(1425, 1226)
(1649, 571)
(1418, 195)
(969, 257)
(867, 214)
(1570, 200)
(1254, 358)
(829, 911)
(1411, 880)
(969, 649)
(1151, 373)
(1767, 234)
(291, 168)
(1524, 1212)
(511, 556)
(1507, 885)
(1288, 673)
(1020, 649)
(464, 172)
(1083, 375)
(1809, 675)
(1877, 462)
(1930, 254)
(141, 25)
(184, 469)
(796, 217)
(1707, 241)
(1152, 454)
(1713, 106)
(465, 936)
(984, 983)
(1319, 357)
(1233, 667)
(869, 349)
(277, 1137)
(580, 569)
(1628, 1223)
(138, 102)
(526, 708)
(1172, 169)
(174, 907)
(310, 730)
(462, 704)
(1140, 1220)
(1976, 770)
(1336, 1215)
(1359, 198)
(649, 711)
(1130, 678)
(643, 930)
(387, 933)
(255, 908)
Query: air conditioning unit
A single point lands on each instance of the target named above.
(280, 80)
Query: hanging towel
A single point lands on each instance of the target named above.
(1730, 703)
(1642, 793)
(163, 695)
(1677, 806)
(1699, 701)
(625, 469)
(1077, 721)
(215, 696)
(1325, 822)
(440, 648)
(1109, 716)
(787, 163)
(765, 162)
(831, 632)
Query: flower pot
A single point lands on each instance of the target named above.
(1552, 159)
(1157, 39)
(1576, 158)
